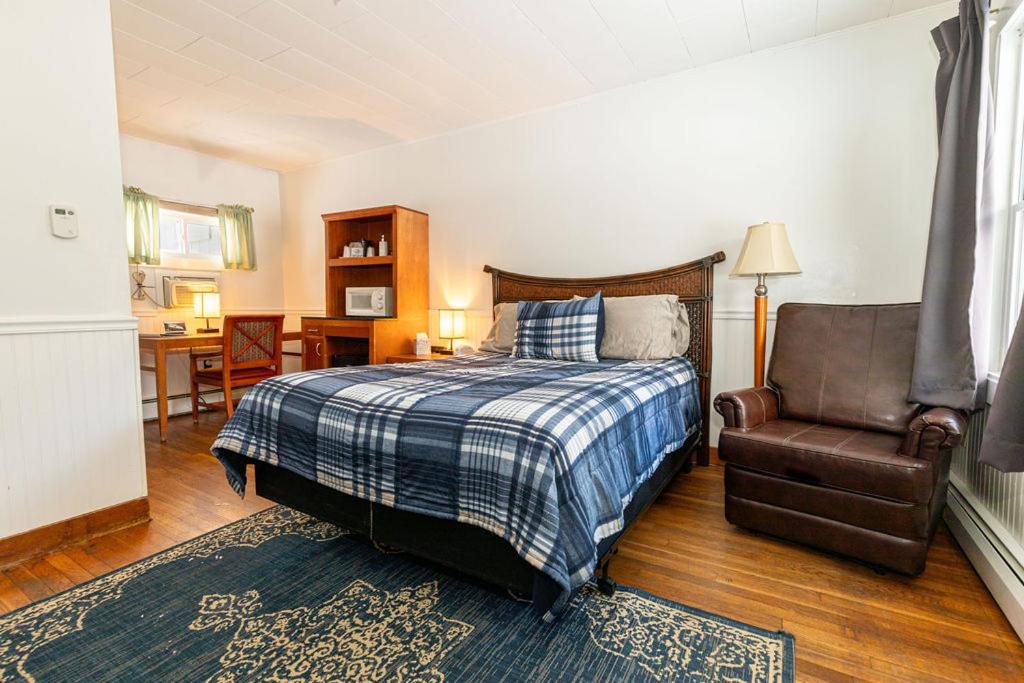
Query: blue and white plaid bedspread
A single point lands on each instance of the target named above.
(546, 454)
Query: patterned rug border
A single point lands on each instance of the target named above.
(788, 639)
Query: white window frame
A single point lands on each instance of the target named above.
(186, 260)
(1008, 193)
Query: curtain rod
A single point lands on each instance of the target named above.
(191, 208)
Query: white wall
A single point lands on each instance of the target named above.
(183, 175)
(835, 136)
(70, 429)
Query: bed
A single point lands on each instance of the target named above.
(521, 473)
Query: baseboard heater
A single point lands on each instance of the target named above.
(179, 397)
(996, 564)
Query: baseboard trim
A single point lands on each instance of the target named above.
(35, 543)
(993, 562)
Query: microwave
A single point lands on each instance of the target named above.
(369, 302)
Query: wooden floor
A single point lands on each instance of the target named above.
(850, 623)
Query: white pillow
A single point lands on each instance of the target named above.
(648, 327)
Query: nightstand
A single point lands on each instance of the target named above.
(413, 358)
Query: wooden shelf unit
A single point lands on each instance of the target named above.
(360, 261)
(404, 269)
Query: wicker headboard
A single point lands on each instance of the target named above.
(692, 282)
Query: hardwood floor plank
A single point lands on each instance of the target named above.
(11, 596)
(28, 582)
(850, 622)
(90, 563)
(63, 563)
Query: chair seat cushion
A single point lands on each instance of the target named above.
(240, 377)
(850, 459)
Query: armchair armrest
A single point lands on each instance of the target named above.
(748, 408)
(933, 431)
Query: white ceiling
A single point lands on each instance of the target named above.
(286, 83)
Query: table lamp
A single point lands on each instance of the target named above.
(765, 251)
(207, 305)
(452, 325)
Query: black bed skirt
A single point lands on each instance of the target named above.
(465, 548)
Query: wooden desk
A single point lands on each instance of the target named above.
(372, 340)
(160, 345)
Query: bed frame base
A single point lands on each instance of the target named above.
(454, 545)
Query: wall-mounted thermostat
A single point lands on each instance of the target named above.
(63, 221)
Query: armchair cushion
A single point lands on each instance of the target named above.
(868, 463)
(747, 408)
(848, 366)
(932, 431)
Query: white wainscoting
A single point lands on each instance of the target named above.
(986, 515)
(70, 429)
(732, 359)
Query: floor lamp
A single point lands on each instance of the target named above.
(765, 251)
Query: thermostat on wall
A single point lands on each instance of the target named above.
(63, 221)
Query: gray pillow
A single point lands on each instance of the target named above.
(681, 330)
(649, 327)
(503, 331)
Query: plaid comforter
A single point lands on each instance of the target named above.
(545, 454)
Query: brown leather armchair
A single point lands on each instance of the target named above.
(830, 453)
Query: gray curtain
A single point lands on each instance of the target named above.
(950, 363)
(1002, 444)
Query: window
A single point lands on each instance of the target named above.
(1008, 191)
(1015, 244)
(1014, 241)
(189, 239)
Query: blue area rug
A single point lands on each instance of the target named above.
(280, 596)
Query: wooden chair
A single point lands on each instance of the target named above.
(252, 353)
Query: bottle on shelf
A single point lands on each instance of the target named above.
(383, 247)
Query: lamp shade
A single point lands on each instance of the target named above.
(207, 304)
(451, 323)
(766, 250)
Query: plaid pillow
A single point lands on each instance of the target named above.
(560, 330)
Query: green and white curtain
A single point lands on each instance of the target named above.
(236, 238)
(142, 221)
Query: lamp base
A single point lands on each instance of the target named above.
(207, 330)
(760, 330)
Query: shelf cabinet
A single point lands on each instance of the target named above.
(338, 338)
(360, 261)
